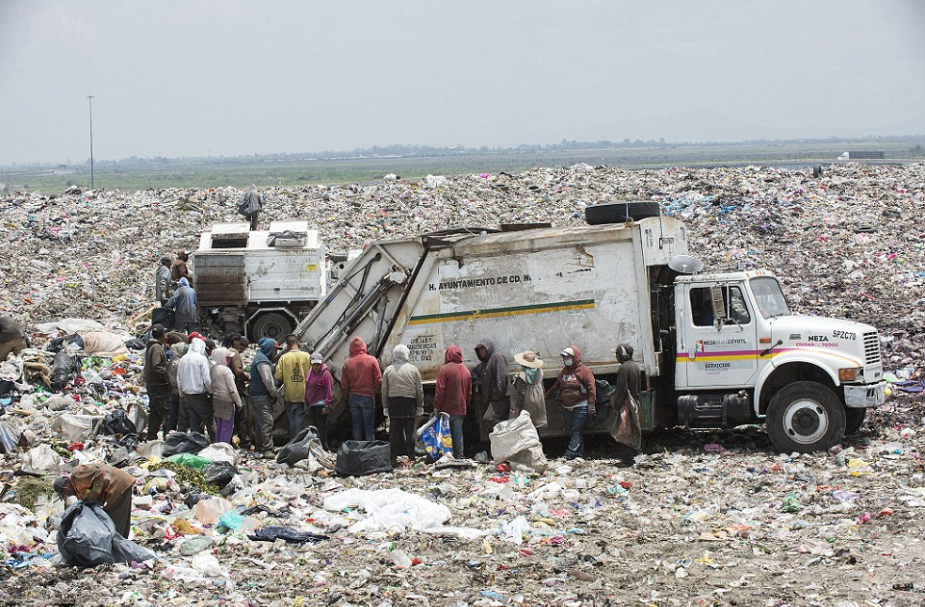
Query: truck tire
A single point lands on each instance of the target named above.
(854, 419)
(805, 417)
(617, 212)
(273, 325)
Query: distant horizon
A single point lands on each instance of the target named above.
(346, 154)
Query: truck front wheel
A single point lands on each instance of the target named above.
(273, 325)
(804, 417)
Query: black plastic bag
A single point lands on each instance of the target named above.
(288, 534)
(219, 473)
(194, 498)
(359, 458)
(59, 343)
(297, 449)
(116, 423)
(135, 344)
(87, 537)
(63, 370)
(163, 317)
(184, 442)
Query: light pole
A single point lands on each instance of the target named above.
(90, 102)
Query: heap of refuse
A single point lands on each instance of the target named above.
(703, 517)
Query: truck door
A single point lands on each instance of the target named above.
(715, 352)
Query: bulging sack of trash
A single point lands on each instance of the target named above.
(436, 438)
(516, 441)
(359, 458)
(184, 442)
(76, 427)
(220, 452)
(116, 423)
(298, 448)
(219, 473)
(87, 537)
(63, 370)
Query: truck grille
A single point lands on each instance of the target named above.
(871, 348)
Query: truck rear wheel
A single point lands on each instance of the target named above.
(618, 212)
(805, 417)
(854, 419)
(273, 325)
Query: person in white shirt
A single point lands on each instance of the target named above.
(194, 379)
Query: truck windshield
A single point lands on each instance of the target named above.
(768, 296)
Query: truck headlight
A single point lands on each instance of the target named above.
(849, 374)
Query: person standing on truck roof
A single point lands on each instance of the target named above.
(625, 429)
(183, 303)
(319, 396)
(250, 206)
(263, 393)
(194, 378)
(402, 401)
(453, 393)
(491, 373)
(12, 337)
(179, 269)
(162, 281)
(225, 397)
(528, 389)
(360, 379)
(576, 391)
(157, 383)
(104, 484)
(292, 368)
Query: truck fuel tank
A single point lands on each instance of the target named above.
(714, 409)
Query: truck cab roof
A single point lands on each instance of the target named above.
(720, 276)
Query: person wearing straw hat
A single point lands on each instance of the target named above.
(528, 388)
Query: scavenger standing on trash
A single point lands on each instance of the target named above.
(242, 420)
(453, 393)
(576, 391)
(492, 375)
(225, 398)
(626, 430)
(177, 350)
(262, 394)
(292, 369)
(194, 378)
(319, 396)
(527, 394)
(157, 382)
(183, 303)
(402, 401)
(250, 206)
(360, 380)
(101, 483)
(179, 269)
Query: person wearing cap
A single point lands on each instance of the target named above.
(179, 268)
(319, 396)
(528, 393)
(225, 397)
(292, 369)
(162, 281)
(402, 401)
(491, 372)
(360, 380)
(104, 484)
(626, 430)
(262, 395)
(157, 382)
(12, 337)
(183, 304)
(576, 391)
(452, 395)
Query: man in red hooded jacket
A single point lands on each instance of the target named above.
(575, 389)
(360, 380)
(453, 392)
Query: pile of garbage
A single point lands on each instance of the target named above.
(703, 518)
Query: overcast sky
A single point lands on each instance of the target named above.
(227, 77)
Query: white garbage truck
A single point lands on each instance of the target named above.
(718, 349)
(260, 283)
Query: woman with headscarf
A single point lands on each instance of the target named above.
(262, 394)
(225, 398)
(402, 401)
(576, 391)
(453, 393)
(626, 430)
(194, 379)
(183, 304)
(528, 388)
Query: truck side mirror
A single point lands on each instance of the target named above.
(719, 302)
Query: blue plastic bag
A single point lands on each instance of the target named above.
(436, 437)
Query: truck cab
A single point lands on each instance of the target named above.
(743, 356)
